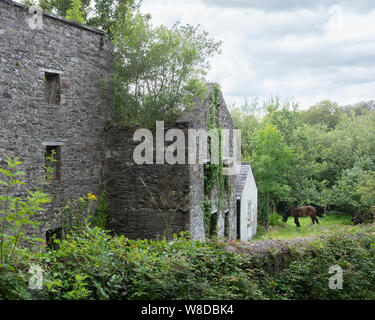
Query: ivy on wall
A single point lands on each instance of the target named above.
(213, 173)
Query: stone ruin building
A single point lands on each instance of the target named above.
(55, 96)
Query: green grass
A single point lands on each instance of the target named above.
(330, 222)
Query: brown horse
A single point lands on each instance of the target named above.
(301, 212)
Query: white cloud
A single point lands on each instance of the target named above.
(309, 50)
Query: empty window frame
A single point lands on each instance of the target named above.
(52, 88)
(52, 162)
(213, 224)
(226, 224)
(51, 236)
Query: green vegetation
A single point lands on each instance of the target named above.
(99, 13)
(158, 71)
(279, 230)
(271, 161)
(170, 74)
(306, 276)
(17, 212)
(323, 156)
(75, 13)
(90, 264)
(213, 172)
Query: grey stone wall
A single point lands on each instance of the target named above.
(198, 118)
(92, 158)
(150, 209)
(131, 209)
(82, 58)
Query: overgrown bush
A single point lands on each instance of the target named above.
(306, 276)
(91, 264)
(94, 265)
(275, 219)
(19, 204)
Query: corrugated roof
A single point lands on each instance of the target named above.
(243, 171)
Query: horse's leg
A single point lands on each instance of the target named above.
(314, 218)
(296, 221)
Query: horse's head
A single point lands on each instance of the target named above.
(286, 214)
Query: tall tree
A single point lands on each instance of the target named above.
(247, 123)
(325, 112)
(107, 12)
(158, 70)
(271, 162)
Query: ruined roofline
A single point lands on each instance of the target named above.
(189, 117)
(56, 17)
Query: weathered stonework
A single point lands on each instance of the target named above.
(177, 190)
(55, 93)
(130, 189)
(82, 59)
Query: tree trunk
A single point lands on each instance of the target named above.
(274, 205)
(268, 211)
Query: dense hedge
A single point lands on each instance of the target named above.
(307, 274)
(94, 265)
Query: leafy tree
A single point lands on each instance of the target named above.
(308, 186)
(75, 13)
(352, 139)
(247, 123)
(61, 7)
(326, 112)
(333, 151)
(107, 12)
(366, 189)
(354, 186)
(102, 14)
(46, 5)
(360, 108)
(158, 70)
(271, 162)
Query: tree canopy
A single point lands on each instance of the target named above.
(329, 158)
(158, 70)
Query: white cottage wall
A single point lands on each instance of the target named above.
(249, 204)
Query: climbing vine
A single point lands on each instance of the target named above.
(213, 173)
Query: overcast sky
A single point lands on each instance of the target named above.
(301, 49)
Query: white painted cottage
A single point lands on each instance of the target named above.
(247, 202)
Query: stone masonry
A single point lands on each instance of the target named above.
(173, 196)
(55, 94)
(73, 61)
